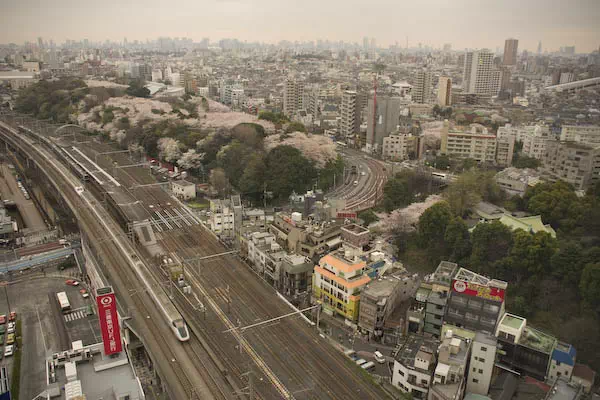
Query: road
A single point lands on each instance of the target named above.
(370, 179)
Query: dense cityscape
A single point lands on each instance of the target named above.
(199, 218)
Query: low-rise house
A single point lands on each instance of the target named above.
(414, 365)
(517, 181)
(449, 378)
(183, 189)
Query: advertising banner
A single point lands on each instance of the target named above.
(473, 289)
(109, 323)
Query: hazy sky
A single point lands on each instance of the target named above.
(464, 23)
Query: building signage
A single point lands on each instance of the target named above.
(343, 214)
(473, 289)
(109, 323)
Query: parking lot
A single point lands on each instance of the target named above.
(45, 329)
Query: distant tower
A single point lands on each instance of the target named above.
(422, 87)
(510, 51)
(444, 91)
(539, 47)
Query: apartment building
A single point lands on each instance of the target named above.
(222, 218)
(516, 180)
(476, 143)
(449, 377)
(481, 367)
(401, 146)
(414, 366)
(476, 302)
(586, 134)
(382, 120)
(505, 148)
(266, 255)
(381, 297)
(572, 162)
(480, 75)
(562, 362)
(349, 123)
(431, 300)
(510, 51)
(422, 88)
(293, 95)
(295, 278)
(338, 281)
(533, 137)
(444, 98)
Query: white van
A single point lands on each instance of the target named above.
(368, 366)
(361, 361)
(379, 357)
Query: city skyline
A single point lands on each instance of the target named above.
(464, 23)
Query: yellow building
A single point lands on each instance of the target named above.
(337, 283)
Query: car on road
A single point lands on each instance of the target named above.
(2, 319)
(8, 351)
(368, 366)
(84, 293)
(12, 316)
(355, 183)
(361, 361)
(72, 282)
(379, 357)
(79, 190)
(10, 339)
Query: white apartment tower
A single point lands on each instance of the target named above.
(293, 94)
(444, 98)
(480, 76)
(348, 111)
(422, 87)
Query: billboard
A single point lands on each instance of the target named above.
(475, 290)
(346, 214)
(109, 321)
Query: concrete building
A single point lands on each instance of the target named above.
(85, 372)
(516, 180)
(566, 77)
(400, 146)
(183, 189)
(524, 349)
(505, 148)
(533, 137)
(574, 163)
(222, 218)
(381, 297)
(586, 134)
(480, 76)
(421, 91)
(434, 291)
(444, 97)
(414, 365)
(382, 121)
(295, 278)
(510, 52)
(476, 302)
(477, 143)
(349, 124)
(266, 255)
(338, 281)
(481, 367)
(17, 79)
(293, 94)
(449, 378)
(562, 362)
(584, 376)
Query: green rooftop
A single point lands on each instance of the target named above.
(531, 224)
(538, 340)
(512, 321)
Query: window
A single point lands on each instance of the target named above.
(483, 348)
(400, 372)
(474, 369)
(481, 359)
(475, 380)
(481, 371)
(424, 381)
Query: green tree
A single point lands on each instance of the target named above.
(530, 254)
(295, 127)
(463, 194)
(253, 179)
(491, 243)
(137, 89)
(368, 217)
(589, 286)
(523, 161)
(233, 159)
(442, 162)
(568, 262)
(433, 222)
(556, 202)
(458, 241)
(332, 168)
(288, 170)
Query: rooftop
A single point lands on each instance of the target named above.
(183, 182)
(537, 340)
(531, 224)
(513, 321)
(413, 345)
(468, 276)
(563, 390)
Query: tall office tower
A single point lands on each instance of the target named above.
(40, 42)
(479, 76)
(422, 87)
(539, 51)
(373, 43)
(348, 111)
(293, 94)
(444, 98)
(365, 43)
(386, 119)
(510, 51)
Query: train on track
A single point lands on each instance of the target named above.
(173, 318)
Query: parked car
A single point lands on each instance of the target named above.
(84, 293)
(11, 327)
(8, 351)
(72, 282)
(2, 319)
(10, 339)
(379, 357)
(12, 316)
(2, 329)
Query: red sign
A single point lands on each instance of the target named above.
(346, 215)
(109, 323)
(475, 290)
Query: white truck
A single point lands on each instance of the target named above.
(63, 301)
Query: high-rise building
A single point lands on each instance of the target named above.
(293, 94)
(539, 50)
(422, 87)
(444, 98)
(483, 355)
(382, 121)
(510, 51)
(480, 76)
(348, 111)
(574, 163)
